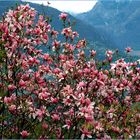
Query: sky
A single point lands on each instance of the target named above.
(71, 6)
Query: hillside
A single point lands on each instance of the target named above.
(119, 19)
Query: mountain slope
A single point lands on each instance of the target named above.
(119, 19)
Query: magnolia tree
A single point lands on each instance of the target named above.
(62, 93)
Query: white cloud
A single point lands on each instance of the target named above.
(74, 6)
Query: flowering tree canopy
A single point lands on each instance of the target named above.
(62, 93)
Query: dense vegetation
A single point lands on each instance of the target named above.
(61, 92)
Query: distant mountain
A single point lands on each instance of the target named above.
(118, 20)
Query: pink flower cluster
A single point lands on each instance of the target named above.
(63, 16)
(62, 93)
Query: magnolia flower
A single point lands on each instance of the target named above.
(85, 133)
(128, 49)
(55, 117)
(67, 90)
(11, 87)
(24, 134)
(93, 53)
(115, 129)
(22, 83)
(56, 71)
(12, 108)
(109, 53)
(56, 44)
(7, 100)
(40, 113)
(89, 118)
(81, 85)
(98, 126)
(43, 95)
(46, 56)
(75, 34)
(44, 125)
(63, 16)
(54, 33)
(68, 124)
(67, 32)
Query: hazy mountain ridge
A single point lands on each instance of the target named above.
(118, 19)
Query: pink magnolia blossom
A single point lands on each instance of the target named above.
(67, 32)
(85, 133)
(44, 125)
(24, 134)
(109, 53)
(11, 87)
(93, 53)
(7, 100)
(43, 95)
(63, 16)
(22, 83)
(55, 117)
(54, 33)
(68, 124)
(81, 85)
(40, 113)
(128, 49)
(12, 108)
